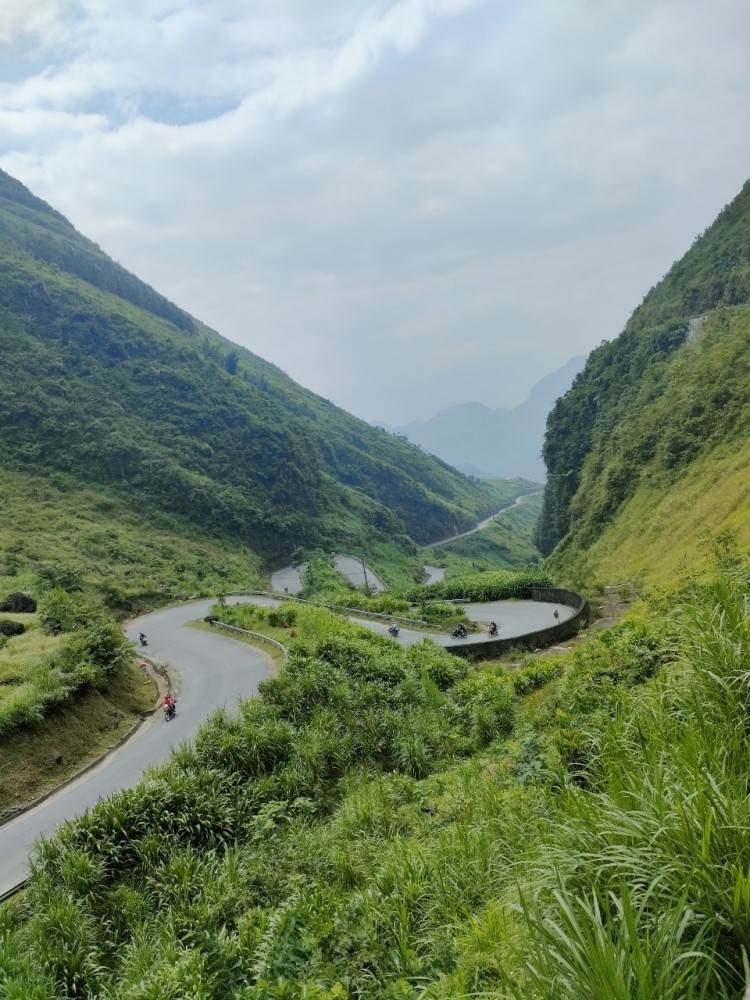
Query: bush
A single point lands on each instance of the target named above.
(18, 603)
(63, 612)
(484, 707)
(440, 612)
(283, 617)
(535, 676)
(9, 628)
(495, 586)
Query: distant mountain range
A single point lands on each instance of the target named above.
(495, 443)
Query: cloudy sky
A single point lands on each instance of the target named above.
(403, 203)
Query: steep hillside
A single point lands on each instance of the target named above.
(489, 442)
(655, 415)
(106, 384)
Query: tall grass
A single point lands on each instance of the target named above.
(43, 667)
(380, 825)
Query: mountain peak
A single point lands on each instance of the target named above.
(497, 443)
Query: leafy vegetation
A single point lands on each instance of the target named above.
(379, 823)
(69, 645)
(495, 586)
(672, 388)
(72, 734)
(129, 559)
(106, 385)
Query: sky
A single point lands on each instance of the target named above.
(405, 204)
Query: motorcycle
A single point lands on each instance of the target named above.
(142, 639)
(459, 632)
(394, 630)
(170, 711)
(492, 630)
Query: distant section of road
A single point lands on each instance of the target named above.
(289, 580)
(352, 568)
(435, 574)
(486, 522)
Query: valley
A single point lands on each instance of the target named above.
(361, 815)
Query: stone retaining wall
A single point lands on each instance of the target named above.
(540, 639)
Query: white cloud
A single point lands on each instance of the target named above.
(404, 203)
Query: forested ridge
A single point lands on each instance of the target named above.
(105, 383)
(672, 387)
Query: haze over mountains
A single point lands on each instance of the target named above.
(496, 443)
(106, 384)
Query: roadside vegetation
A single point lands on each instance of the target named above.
(495, 586)
(69, 689)
(51, 529)
(69, 644)
(428, 602)
(39, 756)
(383, 822)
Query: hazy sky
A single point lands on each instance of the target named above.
(403, 203)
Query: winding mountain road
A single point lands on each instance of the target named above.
(211, 670)
(486, 522)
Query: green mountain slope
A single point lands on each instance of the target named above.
(665, 395)
(108, 385)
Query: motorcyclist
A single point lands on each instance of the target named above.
(142, 639)
(394, 629)
(169, 705)
(492, 630)
(460, 631)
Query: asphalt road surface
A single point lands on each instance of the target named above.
(435, 574)
(350, 567)
(289, 579)
(485, 523)
(211, 670)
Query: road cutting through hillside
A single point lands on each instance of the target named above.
(486, 522)
(211, 671)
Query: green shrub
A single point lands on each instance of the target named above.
(440, 612)
(9, 628)
(484, 707)
(535, 676)
(19, 603)
(494, 586)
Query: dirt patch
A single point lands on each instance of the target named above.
(40, 758)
